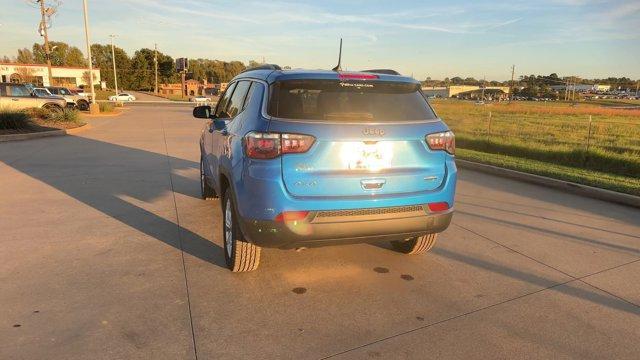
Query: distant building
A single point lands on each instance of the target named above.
(38, 74)
(583, 87)
(467, 91)
(192, 88)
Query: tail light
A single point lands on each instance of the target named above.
(295, 143)
(438, 206)
(442, 141)
(270, 145)
(262, 146)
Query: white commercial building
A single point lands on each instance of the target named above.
(66, 76)
(582, 87)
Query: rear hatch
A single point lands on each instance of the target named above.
(369, 137)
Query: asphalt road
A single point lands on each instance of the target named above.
(147, 97)
(107, 252)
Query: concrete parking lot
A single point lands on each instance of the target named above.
(107, 252)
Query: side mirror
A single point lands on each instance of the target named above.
(202, 112)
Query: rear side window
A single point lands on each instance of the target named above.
(337, 100)
(19, 90)
(237, 99)
(221, 109)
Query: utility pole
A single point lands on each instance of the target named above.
(43, 29)
(182, 81)
(637, 87)
(93, 108)
(484, 78)
(155, 63)
(513, 71)
(113, 58)
(566, 90)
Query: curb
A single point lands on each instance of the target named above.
(78, 129)
(43, 134)
(114, 113)
(584, 190)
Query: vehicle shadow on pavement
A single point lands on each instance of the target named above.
(547, 218)
(622, 248)
(565, 287)
(113, 178)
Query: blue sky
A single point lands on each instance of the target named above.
(588, 38)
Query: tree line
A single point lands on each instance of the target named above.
(532, 81)
(536, 85)
(134, 72)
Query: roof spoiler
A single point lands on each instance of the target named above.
(263, 67)
(382, 71)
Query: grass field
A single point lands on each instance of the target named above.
(585, 137)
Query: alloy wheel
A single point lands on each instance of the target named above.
(228, 228)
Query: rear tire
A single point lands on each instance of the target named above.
(206, 191)
(416, 245)
(53, 108)
(82, 105)
(240, 255)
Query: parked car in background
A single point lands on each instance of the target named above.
(303, 158)
(200, 98)
(43, 92)
(20, 97)
(73, 100)
(122, 97)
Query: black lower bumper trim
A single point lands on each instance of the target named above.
(304, 233)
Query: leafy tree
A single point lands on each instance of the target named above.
(141, 73)
(102, 59)
(25, 56)
(253, 63)
(470, 81)
(166, 69)
(232, 69)
(457, 80)
(62, 54)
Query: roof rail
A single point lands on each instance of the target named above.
(263, 67)
(382, 71)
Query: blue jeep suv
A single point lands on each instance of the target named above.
(305, 158)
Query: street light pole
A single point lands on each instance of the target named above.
(513, 71)
(92, 108)
(113, 57)
(155, 64)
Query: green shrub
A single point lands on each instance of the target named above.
(38, 113)
(14, 120)
(106, 107)
(65, 116)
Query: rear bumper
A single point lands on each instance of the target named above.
(321, 228)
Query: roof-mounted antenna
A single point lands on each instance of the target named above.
(338, 68)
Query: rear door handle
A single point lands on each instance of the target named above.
(15, 99)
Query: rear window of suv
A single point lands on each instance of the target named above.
(348, 101)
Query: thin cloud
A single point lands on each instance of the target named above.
(622, 11)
